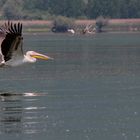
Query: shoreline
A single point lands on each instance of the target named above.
(114, 25)
(85, 21)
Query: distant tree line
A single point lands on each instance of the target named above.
(79, 9)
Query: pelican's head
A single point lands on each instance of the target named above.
(31, 56)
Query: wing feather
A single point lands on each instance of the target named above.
(12, 30)
(12, 42)
(16, 28)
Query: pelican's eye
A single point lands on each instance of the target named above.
(20, 38)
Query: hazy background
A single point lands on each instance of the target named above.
(81, 9)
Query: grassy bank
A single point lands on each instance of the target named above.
(113, 25)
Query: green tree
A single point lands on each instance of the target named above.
(96, 8)
(35, 4)
(129, 8)
(62, 24)
(12, 9)
(114, 8)
(2, 2)
(41, 9)
(68, 8)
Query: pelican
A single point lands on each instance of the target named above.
(71, 31)
(88, 29)
(11, 42)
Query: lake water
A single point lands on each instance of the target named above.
(90, 91)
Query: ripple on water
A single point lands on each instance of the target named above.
(22, 113)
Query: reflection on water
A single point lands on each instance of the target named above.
(19, 113)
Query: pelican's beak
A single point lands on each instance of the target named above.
(41, 56)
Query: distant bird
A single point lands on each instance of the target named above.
(11, 42)
(88, 30)
(71, 31)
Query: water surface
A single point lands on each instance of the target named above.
(89, 91)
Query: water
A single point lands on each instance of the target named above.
(89, 91)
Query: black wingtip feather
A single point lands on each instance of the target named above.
(19, 27)
(13, 28)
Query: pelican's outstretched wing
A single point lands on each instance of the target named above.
(11, 44)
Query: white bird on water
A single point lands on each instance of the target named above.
(71, 31)
(11, 42)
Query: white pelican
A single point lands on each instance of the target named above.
(88, 29)
(11, 42)
(71, 31)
